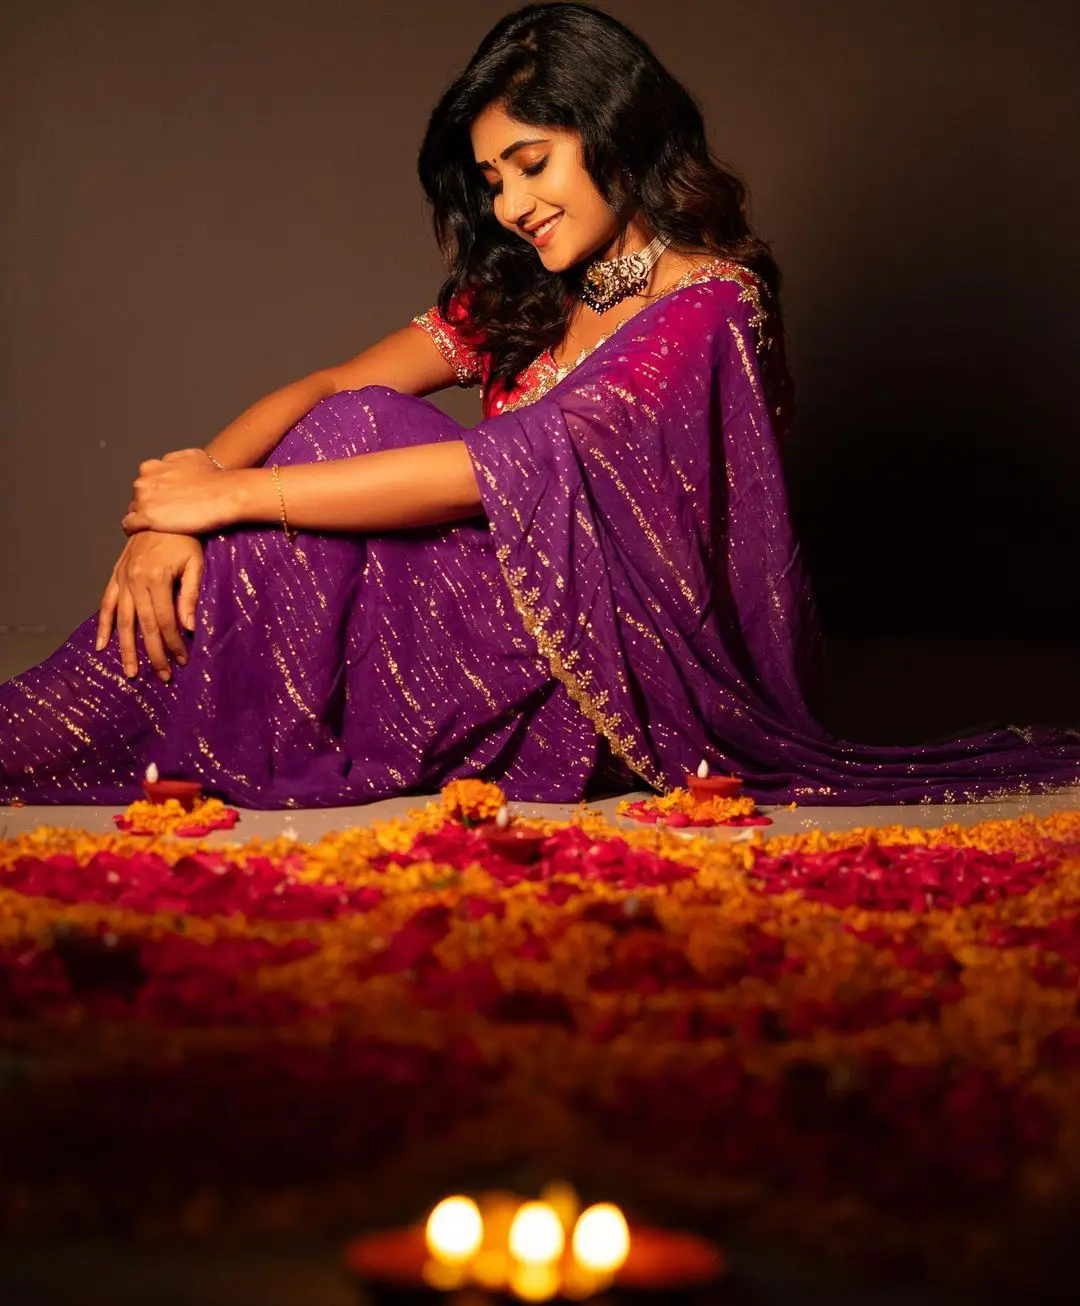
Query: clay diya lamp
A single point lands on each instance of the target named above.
(657, 1265)
(188, 793)
(705, 787)
(516, 843)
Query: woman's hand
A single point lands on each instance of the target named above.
(141, 587)
(182, 493)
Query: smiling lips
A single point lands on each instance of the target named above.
(540, 234)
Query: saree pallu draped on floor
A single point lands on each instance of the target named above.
(634, 603)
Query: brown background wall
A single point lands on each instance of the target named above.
(203, 199)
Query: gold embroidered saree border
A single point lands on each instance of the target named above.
(607, 724)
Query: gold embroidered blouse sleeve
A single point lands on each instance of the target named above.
(461, 356)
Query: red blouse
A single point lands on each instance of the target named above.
(460, 346)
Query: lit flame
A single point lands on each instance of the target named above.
(502, 817)
(454, 1231)
(537, 1236)
(601, 1239)
(703, 770)
(152, 774)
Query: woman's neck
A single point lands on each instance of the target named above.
(632, 239)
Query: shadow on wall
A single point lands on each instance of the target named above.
(880, 690)
(935, 464)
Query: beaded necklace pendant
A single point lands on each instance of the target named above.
(608, 282)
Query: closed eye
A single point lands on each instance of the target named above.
(533, 170)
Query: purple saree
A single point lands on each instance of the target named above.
(635, 602)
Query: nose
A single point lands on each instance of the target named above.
(517, 204)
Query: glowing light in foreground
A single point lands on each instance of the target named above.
(454, 1230)
(491, 1269)
(601, 1239)
(536, 1236)
(533, 1282)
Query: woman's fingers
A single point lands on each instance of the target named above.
(140, 597)
(125, 631)
(107, 613)
(161, 597)
(135, 522)
(188, 598)
(151, 631)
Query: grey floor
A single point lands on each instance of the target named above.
(311, 825)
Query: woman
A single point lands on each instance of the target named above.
(595, 587)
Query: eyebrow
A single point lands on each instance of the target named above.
(510, 149)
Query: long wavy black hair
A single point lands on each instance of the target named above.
(573, 67)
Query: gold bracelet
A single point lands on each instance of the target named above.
(220, 466)
(290, 534)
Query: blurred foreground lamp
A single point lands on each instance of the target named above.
(601, 1241)
(536, 1235)
(508, 1248)
(454, 1231)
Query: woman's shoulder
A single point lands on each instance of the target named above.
(456, 338)
(727, 279)
(727, 289)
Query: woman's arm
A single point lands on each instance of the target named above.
(143, 582)
(407, 361)
(421, 485)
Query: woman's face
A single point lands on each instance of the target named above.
(541, 191)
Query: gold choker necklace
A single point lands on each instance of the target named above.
(608, 282)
